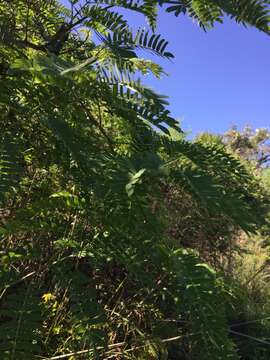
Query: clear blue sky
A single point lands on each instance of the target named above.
(218, 78)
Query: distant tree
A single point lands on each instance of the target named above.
(249, 144)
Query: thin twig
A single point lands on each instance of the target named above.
(64, 356)
(260, 270)
(96, 123)
(250, 322)
(16, 283)
(112, 346)
(260, 341)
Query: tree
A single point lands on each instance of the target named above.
(87, 262)
(250, 145)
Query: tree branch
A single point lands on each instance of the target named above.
(98, 125)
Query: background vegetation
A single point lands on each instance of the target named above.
(120, 239)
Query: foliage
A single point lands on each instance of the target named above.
(207, 13)
(88, 265)
(247, 263)
(250, 145)
(248, 313)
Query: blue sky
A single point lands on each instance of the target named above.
(217, 79)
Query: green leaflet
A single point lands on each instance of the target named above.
(255, 13)
(203, 305)
(21, 324)
(10, 168)
(134, 179)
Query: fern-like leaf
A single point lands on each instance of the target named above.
(9, 167)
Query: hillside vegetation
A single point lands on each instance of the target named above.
(121, 239)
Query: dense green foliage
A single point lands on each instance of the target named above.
(108, 215)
